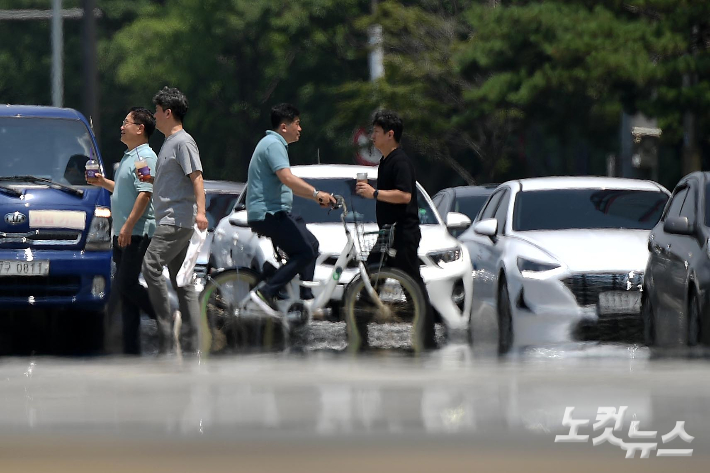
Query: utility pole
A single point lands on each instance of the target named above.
(91, 94)
(57, 54)
(376, 54)
(56, 16)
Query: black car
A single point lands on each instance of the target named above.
(675, 303)
(466, 200)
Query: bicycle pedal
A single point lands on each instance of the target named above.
(310, 283)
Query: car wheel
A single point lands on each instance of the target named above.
(648, 320)
(505, 319)
(693, 320)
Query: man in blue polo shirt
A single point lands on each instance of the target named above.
(270, 189)
(133, 224)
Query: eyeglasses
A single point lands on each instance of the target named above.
(126, 122)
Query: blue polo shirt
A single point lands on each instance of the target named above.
(126, 189)
(265, 192)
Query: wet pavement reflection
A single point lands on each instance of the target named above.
(455, 395)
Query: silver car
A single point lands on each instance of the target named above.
(554, 255)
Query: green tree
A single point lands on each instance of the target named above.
(234, 60)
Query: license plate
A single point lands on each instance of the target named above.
(24, 268)
(619, 302)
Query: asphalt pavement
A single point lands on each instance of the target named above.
(320, 409)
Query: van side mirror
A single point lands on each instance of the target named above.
(678, 226)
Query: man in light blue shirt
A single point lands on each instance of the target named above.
(270, 189)
(133, 224)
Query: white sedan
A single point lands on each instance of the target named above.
(444, 264)
(552, 254)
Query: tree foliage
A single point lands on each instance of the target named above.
(488, 89)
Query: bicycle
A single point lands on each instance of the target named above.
(378, 294)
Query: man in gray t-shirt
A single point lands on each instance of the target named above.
(179, 202)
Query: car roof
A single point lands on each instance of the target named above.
(223, 187)
(466, 191)
(38, 111)
(586, 182)
(332, 171)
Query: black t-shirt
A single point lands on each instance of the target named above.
(397, 172)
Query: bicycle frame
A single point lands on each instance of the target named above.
(349, 253)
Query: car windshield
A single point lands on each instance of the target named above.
(53, 148)
(469, 205)
(360, 209)
(218, 206)
(587, 208)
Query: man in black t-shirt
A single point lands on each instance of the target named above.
(396, 197)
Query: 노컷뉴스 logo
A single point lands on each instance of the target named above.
(15, 218)
(639, 439)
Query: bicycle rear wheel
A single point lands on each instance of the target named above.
(404, 304)
(225, 324)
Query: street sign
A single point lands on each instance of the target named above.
(365, 153)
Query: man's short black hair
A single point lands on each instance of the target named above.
(389, 120)
(171, 98)
(143, 116)
(283, 113)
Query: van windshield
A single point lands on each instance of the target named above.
(53, 148)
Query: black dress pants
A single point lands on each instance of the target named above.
(127, 293)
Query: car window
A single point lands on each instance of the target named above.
(359, 208)
(561, 209)
(502, 211)
(492, 205)
(688, 209)
(440, 202)
(470, 205)
(677, 202)
(218, 206)
(53, 148)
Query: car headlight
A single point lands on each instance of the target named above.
(99, 237)
(445, 256)
(531, 268)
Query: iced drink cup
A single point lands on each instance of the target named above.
(142, 167)
(92, 167)
(362, 177)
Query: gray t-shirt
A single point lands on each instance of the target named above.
(173, 193)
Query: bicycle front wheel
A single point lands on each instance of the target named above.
(403, 301)
(222, 327)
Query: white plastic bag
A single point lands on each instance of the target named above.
(184, 276)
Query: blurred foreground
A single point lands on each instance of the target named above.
(454, 408)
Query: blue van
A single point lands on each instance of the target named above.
(55, 229)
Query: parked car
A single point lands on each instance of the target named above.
(445, 264)
(675, 298)
(55, 235)
(220, 199)
(552, 254)
(466, 200)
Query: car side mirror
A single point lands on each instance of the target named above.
(487, 227)
(239, 219)
(457, 221)
(678, 226)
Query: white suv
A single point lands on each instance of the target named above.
(445, 263)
